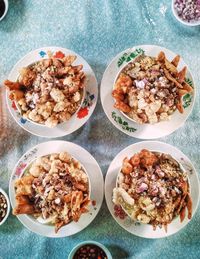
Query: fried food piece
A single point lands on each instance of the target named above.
(12, 85)
(170, 67)
(182, 92)
(77, 199)
(127, 167)
(16, 95)
(147, 158)
(189, 206)
(171, 78)
(122, 106)
(27, 76)
(179, 106)
(176, 60)
(124, 82)
(187, 87)
(118, 94)
(135, 160)
(181, 75)
(24, 185)
(68, 60)
(23, 205)
(182, 213)
(161, 57)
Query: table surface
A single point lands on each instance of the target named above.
(97, 30)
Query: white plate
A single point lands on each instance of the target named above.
(96, 179)
(146, 230)
(79, 118)
(131, 128)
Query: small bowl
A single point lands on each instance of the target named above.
(195, 23)
(6, 9)
(72, 253)
(8, 206)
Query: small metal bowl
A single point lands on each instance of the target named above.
(72, 253)
(8, 206)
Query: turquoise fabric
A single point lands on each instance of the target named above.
(97, 30)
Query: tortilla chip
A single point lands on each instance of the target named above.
(176, 60)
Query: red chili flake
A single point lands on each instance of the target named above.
(83, 112)
(59, 54)
(94, 203)
(14, 105)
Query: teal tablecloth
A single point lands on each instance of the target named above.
(97, 30)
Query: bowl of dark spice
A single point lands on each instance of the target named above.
(90, 250)
(187, 11)
(3, 8)
(4, 206)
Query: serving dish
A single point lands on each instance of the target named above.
(95, 189)
(79, 116)
(121, 120)
(134, 226)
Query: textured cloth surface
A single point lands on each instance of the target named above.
(97, 30)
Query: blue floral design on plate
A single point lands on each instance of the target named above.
(42, 53)
(23, 121)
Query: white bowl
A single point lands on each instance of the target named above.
(146, 230)
(165, 153)
(8, 206)
(124, 123)
(196, 23)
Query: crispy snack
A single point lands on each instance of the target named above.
(49, 91)
(150, 89)
(153, 189)
(56, 188)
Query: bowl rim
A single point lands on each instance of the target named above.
(192, 24)
(75, 248)
(181, 167)
(8, 206)
(6, 9)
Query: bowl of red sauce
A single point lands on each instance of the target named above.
(90, 249)
(187, 11)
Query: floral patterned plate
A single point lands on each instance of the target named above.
(146, 230)
(96, 194)
(123, 123)
(79, 118)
